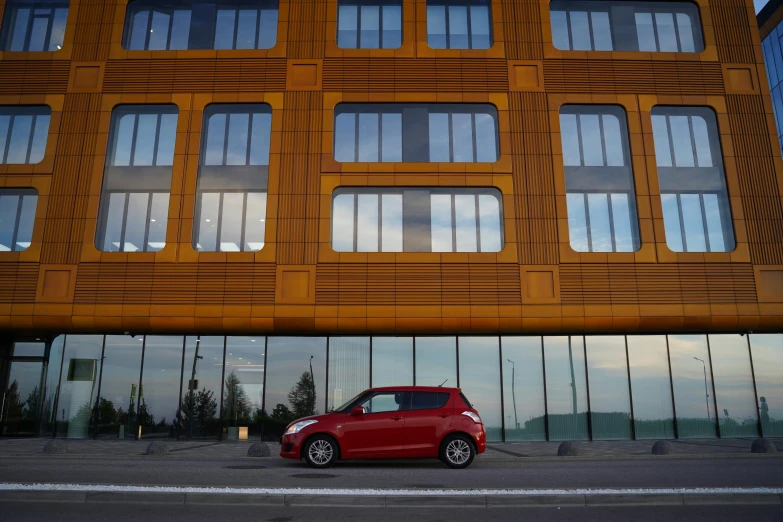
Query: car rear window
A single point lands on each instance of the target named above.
(429, 400)
(465, 400)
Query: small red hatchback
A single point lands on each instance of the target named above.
(388, 423)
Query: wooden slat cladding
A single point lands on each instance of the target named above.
(307, 28)
(297, 230)
(417, 284)
(38, 77)
(618, 283)
(93, 35)
(758, 184)
(523, 30)
(414, 75)
(185, 283)
(195, 75)
(533, 183)
(18, 282)
(633, 76)
(731, 25)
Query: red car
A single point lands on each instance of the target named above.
(387, 423)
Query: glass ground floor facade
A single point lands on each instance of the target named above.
(527, 388)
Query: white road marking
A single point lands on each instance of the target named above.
(100, 488)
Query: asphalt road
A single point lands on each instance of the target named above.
(49, 512)
(517, 473)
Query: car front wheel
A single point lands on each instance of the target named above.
(457, 451)
(321, 451)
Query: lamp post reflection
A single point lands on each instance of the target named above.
(706, 390)
(514, 393)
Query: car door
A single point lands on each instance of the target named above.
(378, 432)
(427, 421)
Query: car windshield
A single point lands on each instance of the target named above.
(347, 404)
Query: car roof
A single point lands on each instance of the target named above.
(416, 388)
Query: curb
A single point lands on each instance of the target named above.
(374, 501)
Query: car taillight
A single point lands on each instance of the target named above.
(473, 416)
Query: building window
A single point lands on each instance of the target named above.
(617, 25)
(34, 25)
(17, 216)
(459, 24)
(417, 220)
(233, 175)
(435, 133)
(198, 24)
(599, 179)
(362, 24)
(137, 179)
(23, 134)
(696, 213)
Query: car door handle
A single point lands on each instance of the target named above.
(444, 415)
(396, 418)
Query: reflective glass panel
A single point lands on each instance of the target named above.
(436, 26)
(566, 388)
(160, 386)
(79, 386)
(651, 387)
(392, 361)
(255, 221)
(367, 223)
(479, 369)
(243, 390)
(392, 27)
(202, 375)
(52, 386)
(347, 23)
(523, 388)
(370, 30)
(349, 369)
(436, 361)
(119, 387)
(391, 228)
(767, 352)
(610, 403)
(692, 381)
(737, 413)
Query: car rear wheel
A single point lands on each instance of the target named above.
(457, 451)
(321, 451)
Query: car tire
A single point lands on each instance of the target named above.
(321, 451)
(457, 451)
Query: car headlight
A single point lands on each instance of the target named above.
(299, 426)
(473, 416)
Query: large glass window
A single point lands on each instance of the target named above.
(599, 179)
(767, 350)
(610, 403)
(137, 179)
(436, 361)
(459, 24)
(426, 133)
(692, 382)
(773, 59)
(737, 413)
(34, 25)
(392, 361)
(349, 369)
(651, 387)
(159, 398)
(202, 376)
(17, 216)
(51, 390)
(200, 24)
(479, 365)
(566, 388)
(243, 393)
(233, 179)
(619, 25)
(116, 409)
(79, 379)
(417, 220)
(695, 201)
(523, 388)
(291, 390)
(23, 134)
(365, 24)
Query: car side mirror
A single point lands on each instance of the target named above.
(357, 410)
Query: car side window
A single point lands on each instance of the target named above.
(384, 402)
(429, 400)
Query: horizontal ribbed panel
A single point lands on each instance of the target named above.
(34, 77)
(18, 282)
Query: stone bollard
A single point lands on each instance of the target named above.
(259, 449)
(55, 447)
(569, 449)
(663, 447)
(157, 449)
(763, 446)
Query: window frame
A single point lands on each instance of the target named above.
(124, 179)
(468, 4)
(9, 21)
(689, 179)
(584, 179)
(453, 192)
(672, 7)
(24, 110)
(449, 109)
(215, 175)
(361, 3)
(20, 193)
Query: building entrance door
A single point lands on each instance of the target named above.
(21, 397)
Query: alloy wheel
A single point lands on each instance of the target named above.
(458, 451)
(320, 452)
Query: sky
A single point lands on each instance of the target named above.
(760, 4)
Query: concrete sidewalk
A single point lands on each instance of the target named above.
(212, 449)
